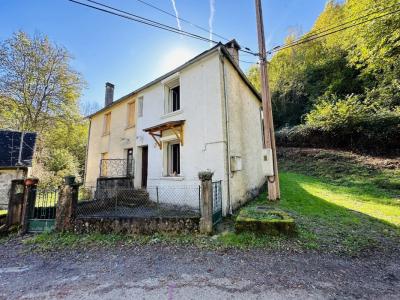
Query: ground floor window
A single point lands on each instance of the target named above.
(174, 159)
(129, 162)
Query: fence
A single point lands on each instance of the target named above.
(154, 202)
(44, 205)
(217, 202)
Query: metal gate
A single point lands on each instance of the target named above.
(217, 202)
(42, 210)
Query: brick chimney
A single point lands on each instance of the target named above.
(233, 48)
(109, 94)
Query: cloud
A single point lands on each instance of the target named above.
(211, 20)
(178, 22)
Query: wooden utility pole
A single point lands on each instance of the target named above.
(273, 181)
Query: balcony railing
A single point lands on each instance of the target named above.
(113, 168)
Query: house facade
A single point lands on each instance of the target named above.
(204, 115)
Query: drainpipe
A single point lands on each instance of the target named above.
(227, 135)
(87, 150)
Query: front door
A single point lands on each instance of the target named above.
(144, 166)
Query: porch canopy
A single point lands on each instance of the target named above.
(156, 131)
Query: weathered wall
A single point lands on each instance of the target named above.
(245, 138)
(137, 226)
(121, 137)
(203, 135)
(202, 108)
(6, 175)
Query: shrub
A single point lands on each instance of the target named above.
(376, 133)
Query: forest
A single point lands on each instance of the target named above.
(340, 90)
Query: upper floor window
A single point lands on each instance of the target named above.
(131, 114)
(173, 96)
(174, 99)
(107, 123)
(140, 106)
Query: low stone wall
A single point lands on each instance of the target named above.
(136, 225)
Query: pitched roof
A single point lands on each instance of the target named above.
(10, 142)
(217, 47)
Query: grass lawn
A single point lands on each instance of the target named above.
(3, 212)
(342, 203)
(332, 218)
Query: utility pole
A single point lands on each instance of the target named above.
(273, 181)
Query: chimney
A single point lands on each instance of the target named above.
(233, 48)
(109, 94)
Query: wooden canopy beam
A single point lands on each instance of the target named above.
(175, 126)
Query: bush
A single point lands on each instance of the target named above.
(376, 134)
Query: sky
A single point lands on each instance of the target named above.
(107, 48)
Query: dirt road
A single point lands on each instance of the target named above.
(169, 272)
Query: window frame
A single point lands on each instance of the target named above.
(169, 159)
(107, 123)
(131, 111)
(140, 106)
(168, 91)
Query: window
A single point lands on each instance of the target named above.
(174, 160)
(175, 95)
(103, 164)
(131, 114)
(129, 162)
(107, 123)
(262, 127)
(172, 96)
(140, 106)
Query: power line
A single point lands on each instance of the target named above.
(321, 31)
(127, 15)
(140, 19)
(181, 19)
(306, 40)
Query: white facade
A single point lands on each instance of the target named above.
(221, 133)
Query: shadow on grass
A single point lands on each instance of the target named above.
(378, 178)
(330, 226)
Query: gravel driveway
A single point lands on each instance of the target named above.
(169, 272)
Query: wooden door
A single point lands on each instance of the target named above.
(144, 166)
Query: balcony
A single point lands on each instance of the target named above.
(117, 168)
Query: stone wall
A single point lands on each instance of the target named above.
(136, 225)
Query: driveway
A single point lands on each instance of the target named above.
(172, 272)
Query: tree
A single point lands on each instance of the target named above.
(39, 91)
(37, 85)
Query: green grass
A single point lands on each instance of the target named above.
(3, 212)
(346, 206)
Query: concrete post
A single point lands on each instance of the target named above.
(206, 203)
(28, 204)
(66, 205)
(14, 215)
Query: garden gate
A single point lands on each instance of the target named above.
(41, 209)
(217, 202)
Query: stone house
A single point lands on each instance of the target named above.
(204, 115)
(16, 152)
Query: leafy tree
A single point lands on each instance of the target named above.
(39, 91)
(37, 84)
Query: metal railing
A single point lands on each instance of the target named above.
(117, 168)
